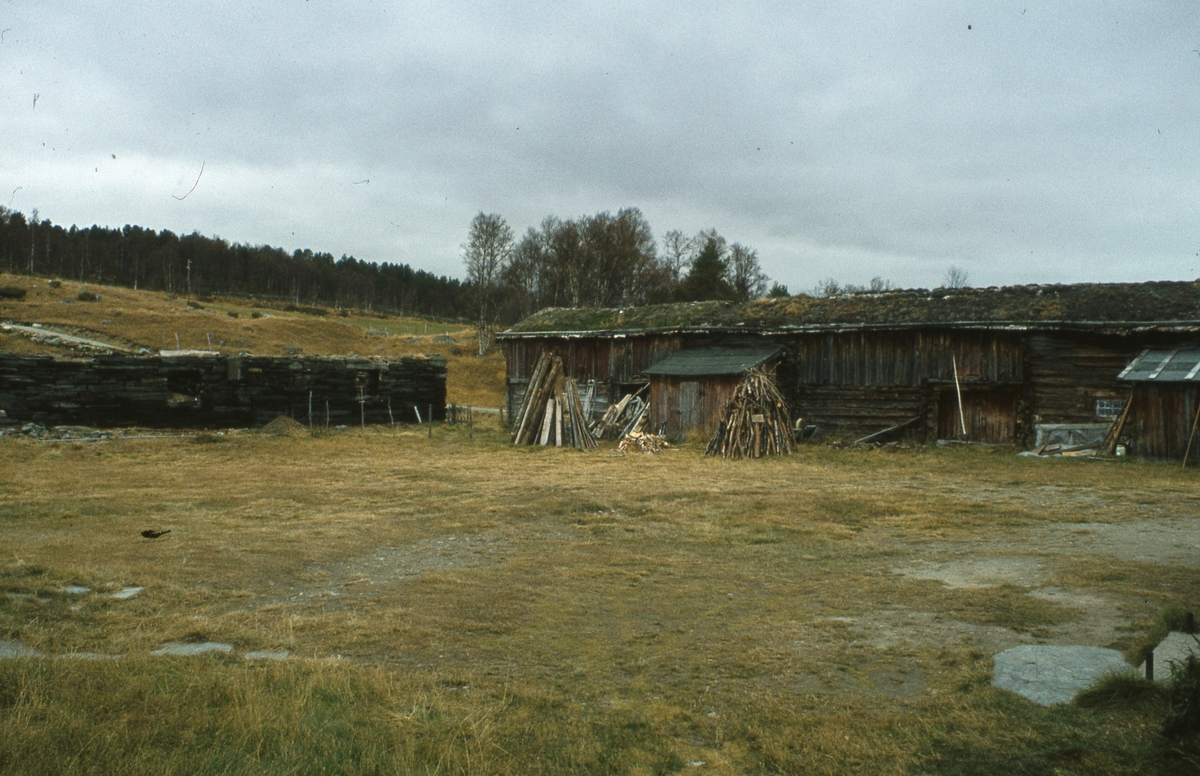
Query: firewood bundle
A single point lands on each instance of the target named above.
(640, 441)
(551, 413)
(755, 422)
(623, 417)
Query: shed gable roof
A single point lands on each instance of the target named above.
(713, 361)
(1181, 365)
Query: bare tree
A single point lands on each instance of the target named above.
(827, 288)
(955, 277)
(880, 284)
(745, 275)
(489, 242)
(678, 250)
(523, 271)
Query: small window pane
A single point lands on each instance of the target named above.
(1109, 408)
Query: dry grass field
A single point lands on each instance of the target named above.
(452, 605)
(153, 320)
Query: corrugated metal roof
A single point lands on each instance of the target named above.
(1181, 365)
(714, 361)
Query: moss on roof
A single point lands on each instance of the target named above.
(1079, 303)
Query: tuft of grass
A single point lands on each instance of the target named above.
(1184, 718)
(1123, 691)
(1169, 619)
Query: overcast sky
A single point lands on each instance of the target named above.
(1025, 142)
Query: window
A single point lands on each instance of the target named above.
(1109, 408)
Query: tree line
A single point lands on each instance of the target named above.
(196, 265)
(601, 260)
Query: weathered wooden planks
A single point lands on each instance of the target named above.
(216, 391)
(550, 412)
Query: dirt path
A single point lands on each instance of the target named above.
(40, 333)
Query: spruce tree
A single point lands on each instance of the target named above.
(707, 278)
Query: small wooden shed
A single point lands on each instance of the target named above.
(689, 388)
(1165, 383)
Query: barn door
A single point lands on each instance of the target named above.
(689, 407)
(990, 415)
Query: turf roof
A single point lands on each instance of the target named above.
(1083, 303)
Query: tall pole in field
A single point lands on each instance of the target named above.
(958, 389)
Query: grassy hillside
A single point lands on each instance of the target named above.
(153, 320)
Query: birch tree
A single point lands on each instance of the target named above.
(486, 251)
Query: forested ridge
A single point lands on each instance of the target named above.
(194, 264)
(601, 260)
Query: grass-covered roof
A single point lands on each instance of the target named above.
(1083, 303)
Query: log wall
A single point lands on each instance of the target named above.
(1068, 372)
(859, 382)
(218, 391)
(906, 358)
(1161, 419)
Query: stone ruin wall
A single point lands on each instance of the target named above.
(217, 391)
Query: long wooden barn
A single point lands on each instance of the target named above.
(1016, 364)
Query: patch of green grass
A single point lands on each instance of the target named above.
(1009, 606)
(407, 327)
(1170, 619)
(1122, 691)
(215, 715)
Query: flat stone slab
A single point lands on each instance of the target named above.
(189, 650)
(87, 656)
(260, 654)
(11, 649)
(1174, 649)
(126, 592)
(74, 590)
(1047, 675)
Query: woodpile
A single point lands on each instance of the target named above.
(624, 417)
(641, 442)
(551, 412)
(755, 422)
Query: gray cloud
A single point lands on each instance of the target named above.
(1045, 143)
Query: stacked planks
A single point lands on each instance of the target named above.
(551, 412)
(755, 422)
(218, 391)
(623, 417)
